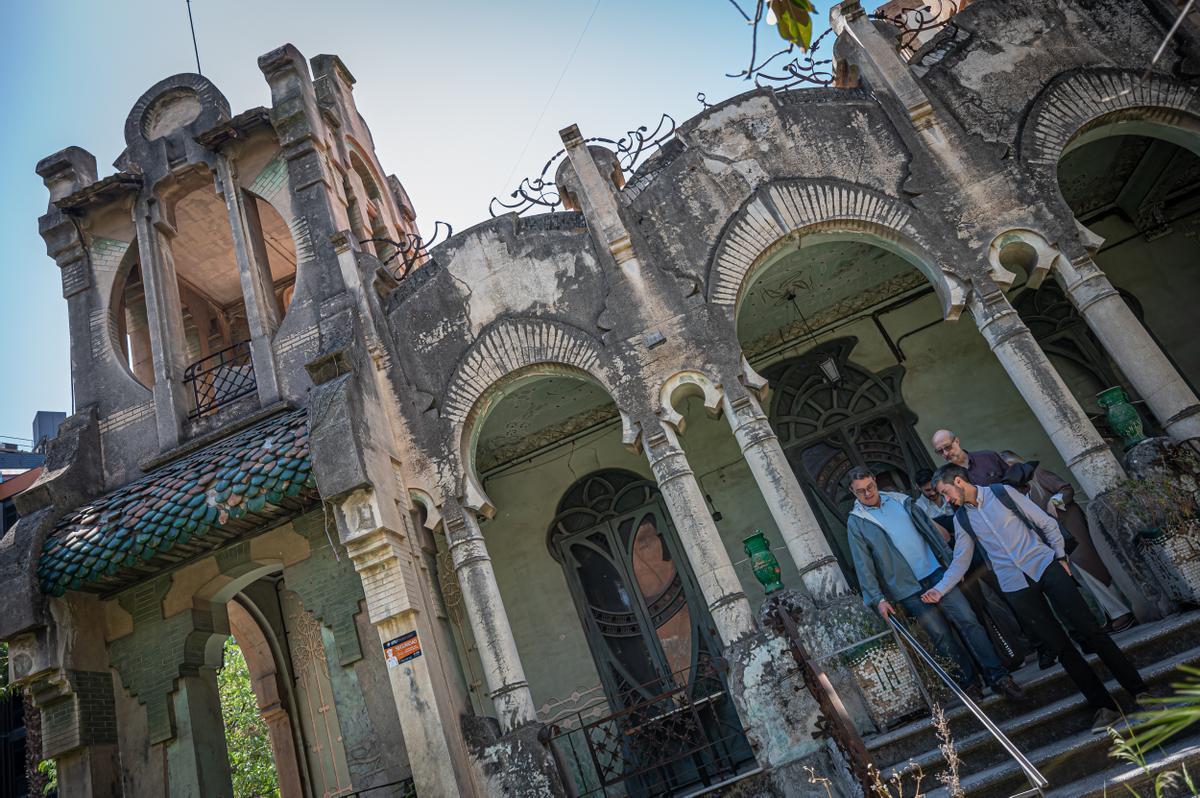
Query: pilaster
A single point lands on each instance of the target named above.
(383, 559)
(164, 315)
(261, 315)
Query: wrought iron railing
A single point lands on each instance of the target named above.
(220, 378)
(673, 736)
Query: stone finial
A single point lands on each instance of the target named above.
(326, 64)
(67, 171)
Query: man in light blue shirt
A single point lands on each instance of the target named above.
(1025, 547)
(898, 555)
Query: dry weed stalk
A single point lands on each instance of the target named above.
(882, 789)
(813, 778)
(949, 752)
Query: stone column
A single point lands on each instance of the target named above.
(197, 758)
(706, 553)
(1140, 359)
(254, 270)
(381, 557)
(1072, 433)
(502, 669)
(164, 317)
(785, 498)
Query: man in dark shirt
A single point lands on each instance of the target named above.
(985, 467)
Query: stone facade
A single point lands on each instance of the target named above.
(283, 433)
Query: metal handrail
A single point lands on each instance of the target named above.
(1037, 781)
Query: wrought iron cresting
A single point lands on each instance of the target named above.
(221, 378)
(806, 67)
(811, 67)
(541, 192)
(411, 249)
(928, 17)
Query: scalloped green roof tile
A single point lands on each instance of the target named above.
(179, 501)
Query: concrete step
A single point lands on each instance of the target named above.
(1147, 645)
(1077, 767)
(979, 750)
(1125, 779)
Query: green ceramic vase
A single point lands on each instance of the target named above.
(1122, 416)
(762, 561)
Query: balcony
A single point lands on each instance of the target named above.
(220, 378)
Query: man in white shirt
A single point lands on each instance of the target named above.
(1027, 553)
(930, 501)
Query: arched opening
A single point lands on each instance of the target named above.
(130, 328)
(529, 439)
(648, 629)
(282, 731)
(863, 370)
(274, 246)
(367, 210)
(217, 325)
(1136, 184)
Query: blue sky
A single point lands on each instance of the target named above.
(451, 91)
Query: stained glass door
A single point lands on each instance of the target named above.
(650, 635)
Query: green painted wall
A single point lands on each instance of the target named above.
(1164, 275)
(547, 628)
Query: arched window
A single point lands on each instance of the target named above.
(650, 635)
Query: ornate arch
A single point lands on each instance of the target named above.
(1076, 99)
(507, 350)
(782, 209)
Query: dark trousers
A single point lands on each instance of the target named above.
(1033, 607)
(954, 611)
(997, 617)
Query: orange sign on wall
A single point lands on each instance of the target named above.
(402, 649)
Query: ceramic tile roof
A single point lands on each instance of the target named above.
(191, 504)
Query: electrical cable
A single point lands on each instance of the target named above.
(546, 107)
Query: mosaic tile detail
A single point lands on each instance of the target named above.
(245, 472)
(107, 253)
(271, 180)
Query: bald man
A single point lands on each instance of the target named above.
(984, 467)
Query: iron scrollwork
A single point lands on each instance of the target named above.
(411, 249)
(925, 17)
(806, 67)
(541, 192)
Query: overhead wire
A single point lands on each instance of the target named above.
(550, 99)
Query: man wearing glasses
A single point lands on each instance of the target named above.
(898, 555)
(983, 467)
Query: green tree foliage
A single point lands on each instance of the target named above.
(246, 734)
(794, 20)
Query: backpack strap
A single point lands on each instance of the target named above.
(998, 490)
(960, 515)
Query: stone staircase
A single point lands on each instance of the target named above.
(1053, 729)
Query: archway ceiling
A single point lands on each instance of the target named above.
(538, 414)
(203, 248)
(823, 282)
(1124, 173)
